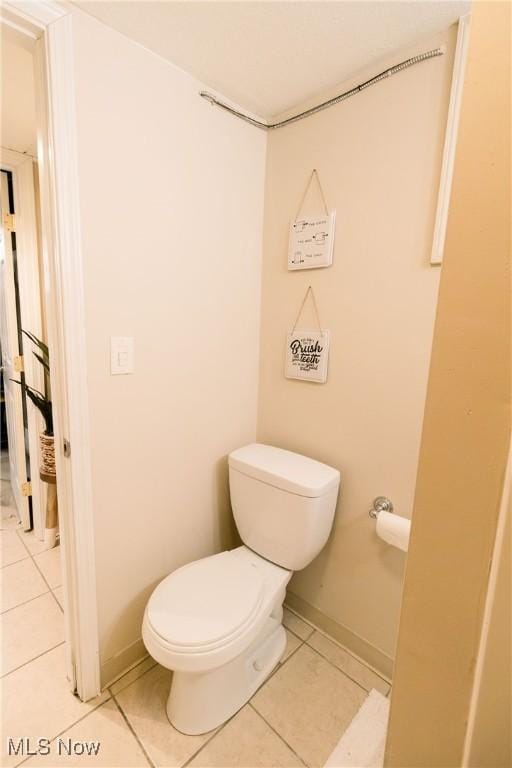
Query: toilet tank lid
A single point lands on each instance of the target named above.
(288, 471)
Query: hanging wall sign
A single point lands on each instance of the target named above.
(307, 352)
(311, 242)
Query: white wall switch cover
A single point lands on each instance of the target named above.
(121, 355)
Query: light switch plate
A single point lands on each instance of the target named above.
(121, 355)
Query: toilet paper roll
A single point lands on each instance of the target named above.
(394, 530)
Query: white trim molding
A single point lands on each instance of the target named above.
(450, 141)
(50, 24)
(70, 319)
(31, 16)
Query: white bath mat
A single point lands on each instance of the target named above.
(362, 745)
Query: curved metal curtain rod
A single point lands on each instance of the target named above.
(330, 102)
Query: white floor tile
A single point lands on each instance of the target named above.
(132, 675)
(246, 742)
(297, 625)
(10, 520)
(29, 630)
(117, 746)
(39, 702)
(6, 494)
(143, 703)
(49, 564)
(12, 548)
(309, 703)
(20, 582)
(292, 643)
(59, 594)
(32, 543)
(347, 663)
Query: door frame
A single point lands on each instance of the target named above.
(21, 166)
(50, 25)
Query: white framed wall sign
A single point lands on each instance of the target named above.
(307, 355)
(311, 242)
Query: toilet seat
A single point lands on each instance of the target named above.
(190, 625)
(206, 603)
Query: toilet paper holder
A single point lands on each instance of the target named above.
(380, 504)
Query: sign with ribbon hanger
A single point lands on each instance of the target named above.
(311, 242)
(307, 351)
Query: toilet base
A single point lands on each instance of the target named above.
(200, 702)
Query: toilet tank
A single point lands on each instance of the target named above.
(283, 503)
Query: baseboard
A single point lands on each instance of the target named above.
(117, 665)
(374, 657)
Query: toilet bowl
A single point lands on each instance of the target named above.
(217, 622)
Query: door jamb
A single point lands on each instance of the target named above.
(51, 25)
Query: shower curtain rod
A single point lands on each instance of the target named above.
(330, 102)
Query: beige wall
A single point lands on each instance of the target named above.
(378, 156)
(17, 97)
(18, 127)
(171, 195)
(467, 424)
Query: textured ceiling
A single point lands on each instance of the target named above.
(270, 56)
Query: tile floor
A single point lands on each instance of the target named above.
(295, 719)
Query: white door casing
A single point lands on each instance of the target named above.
(10, 354)
(50, 25)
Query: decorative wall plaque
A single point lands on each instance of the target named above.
(307, 351)
(311, 242)
(307, 354)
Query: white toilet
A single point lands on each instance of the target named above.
(216, 622)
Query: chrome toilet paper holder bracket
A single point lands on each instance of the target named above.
(380, 504)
